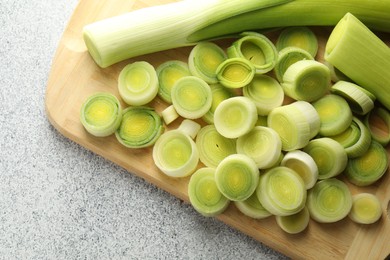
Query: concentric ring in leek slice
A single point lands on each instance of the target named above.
(204, 195)
(298, 36)
(306, 80)
(101, 114)
(329, 201)
(358, 98)
(366, 208)
(368, 168)
(335, 114)
(265, 92)
(329, 155)
(252, 207)
(257, 49)
(213, 147)
(235, 72)
(378, 123)
(237, 177)
(262, 144)
(140, 127)
(288, 56)
(219, 93)
(204, 60)
(191, 97)
(281, 191)
(168, 73)
(296, 223)
(138, 83)
(235, 116)
(175, 154)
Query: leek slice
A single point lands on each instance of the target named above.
(204, 195)
(329, 155)
(306, 80)
(235, 116)
(329, 201)
(101, 114)
(335, 74)
(138, 83)
(262, 144)
(298, 36)
(335, 114)
(361, 55)
(190, 128)
(356, 139)
(292, 125)
(357, 97)
(219, 93)
(168, 73)
(169, 114)
(366, 208)
(378, 123)
(235, 72)
(295, 223)
(303, 164)
(191, 97)
(311, 115)
(252, 207)
(281, 191)
(257, 49)
(237, 177)
(175, 153)
(213, 147)
(140, 127)
(204, 60)
(265, 92)
(368, 168)
(288, 56)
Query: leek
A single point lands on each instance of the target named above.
(219, 93)
(184, 23)
(366, 208)
(298, 36)
(235, 72)
(252, 207)
(378, 123)
(296, 223)
(101, 114)
(169, 114)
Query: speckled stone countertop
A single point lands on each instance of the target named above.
(60, 201)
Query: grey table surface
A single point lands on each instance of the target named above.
(61, 201)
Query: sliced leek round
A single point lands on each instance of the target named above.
(265, 92)
(189, 127)
(213, 147)
(288, 56)
(138, 83)
(101, 114)
(378, 123)
(298, 36)
(262, 144)
(219, 93)
(368, 168)
(140, 127)
(235, 72)
(329, 155)
(303, 164)
(204, 60)
(237, 177)
(175, 154)
(311, 115)
(335, 114)
(191, 97)
(204, 195)
(257, 49)
(169, 114)
(252, 207)
(306, 80)
(235, 116)
(281, 191)
(329, 201)
(366, 208)
(357, 97)
(168, 73)
(296, 223)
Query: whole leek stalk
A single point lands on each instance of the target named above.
(187, 22)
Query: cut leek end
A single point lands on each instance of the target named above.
(101, 114)
(296, 223)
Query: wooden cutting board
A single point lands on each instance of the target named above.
(74, 76)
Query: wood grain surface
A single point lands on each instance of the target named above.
(74, 76)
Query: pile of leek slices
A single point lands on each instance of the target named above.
(263, 126)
